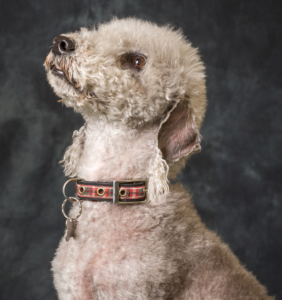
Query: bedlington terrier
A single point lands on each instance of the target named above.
(141, 90)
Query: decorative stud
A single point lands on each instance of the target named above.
(101, 191)
(81, 190)
(122, 192)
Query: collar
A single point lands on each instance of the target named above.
(117, 192)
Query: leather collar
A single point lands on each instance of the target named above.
(117, 192)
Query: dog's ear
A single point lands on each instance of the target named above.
(74, 152)
(179, 135)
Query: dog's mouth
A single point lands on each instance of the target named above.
(61, 67)
(56, 71)
(64, 73)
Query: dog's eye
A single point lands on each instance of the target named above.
(138, 62)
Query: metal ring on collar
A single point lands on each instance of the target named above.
(101, 191)
(74, 200)
(64, 188)
(122, 192)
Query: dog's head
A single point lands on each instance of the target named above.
(134, 72)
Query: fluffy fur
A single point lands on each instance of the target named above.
(139, 124)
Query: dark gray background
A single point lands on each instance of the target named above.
(236, 180)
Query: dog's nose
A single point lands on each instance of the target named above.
(62, 44)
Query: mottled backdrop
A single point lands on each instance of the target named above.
(236, 179)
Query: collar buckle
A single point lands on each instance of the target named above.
(116, 192)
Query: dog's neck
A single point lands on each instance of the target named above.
(113, 152)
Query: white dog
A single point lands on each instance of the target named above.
(141, 90)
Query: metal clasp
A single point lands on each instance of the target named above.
(71, 199)
(64, 188)
(116, 194)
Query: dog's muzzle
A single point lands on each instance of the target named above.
(62, 45)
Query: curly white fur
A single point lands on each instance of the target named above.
(139, 124)
(73, 152)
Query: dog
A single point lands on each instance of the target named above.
(141, 89)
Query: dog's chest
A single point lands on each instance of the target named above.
(119, 253)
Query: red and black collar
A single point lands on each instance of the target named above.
(117, 192)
